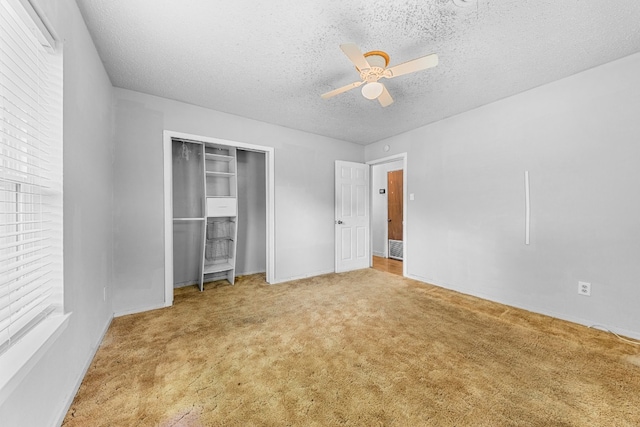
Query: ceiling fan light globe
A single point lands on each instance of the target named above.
(372, 90)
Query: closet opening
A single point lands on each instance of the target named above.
(219, 210)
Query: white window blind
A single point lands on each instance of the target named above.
(30, 172)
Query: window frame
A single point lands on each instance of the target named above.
(29, 347)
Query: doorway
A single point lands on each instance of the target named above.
(389, 213)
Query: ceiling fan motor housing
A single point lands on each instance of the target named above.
(372, 74)
(378, 61)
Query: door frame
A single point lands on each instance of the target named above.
(168, 202)
(405, 198)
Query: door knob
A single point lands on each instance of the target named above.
(340, 222)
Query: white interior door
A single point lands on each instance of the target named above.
(352, 216)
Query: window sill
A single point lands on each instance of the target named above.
(18, 360)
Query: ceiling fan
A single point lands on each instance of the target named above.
(372, 66)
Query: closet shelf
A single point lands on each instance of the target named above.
(217, 268)
(212, 173)
(218, 157)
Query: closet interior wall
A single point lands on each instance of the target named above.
(251, 254)
(188, 187)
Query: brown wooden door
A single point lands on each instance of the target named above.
(394, 204)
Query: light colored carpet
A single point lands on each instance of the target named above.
(363, 348)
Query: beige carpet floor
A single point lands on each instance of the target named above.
(363, 348)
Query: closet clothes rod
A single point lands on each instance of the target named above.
(188, 219)
(192, 141)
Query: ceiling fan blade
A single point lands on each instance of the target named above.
(411, 66)
(355, 55)
(341, 90)
(385, 98)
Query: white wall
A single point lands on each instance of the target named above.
(379, 206)
(251, 251)
(42, 398)
(578, 138)
(304, 175)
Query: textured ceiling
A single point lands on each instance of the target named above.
(272, 60)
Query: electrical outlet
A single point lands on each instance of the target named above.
(584, 288)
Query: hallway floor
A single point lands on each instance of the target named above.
(389, 265)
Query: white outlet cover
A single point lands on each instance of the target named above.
(584, 288)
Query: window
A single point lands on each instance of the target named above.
(30, 172)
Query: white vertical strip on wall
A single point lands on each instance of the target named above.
(30, 175)
(527, 208)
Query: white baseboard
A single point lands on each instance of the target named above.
(380, 254)
(185, 284)
(65, 409)
(534, 309)
(304, 276)
(139, 310)
(250, 272)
